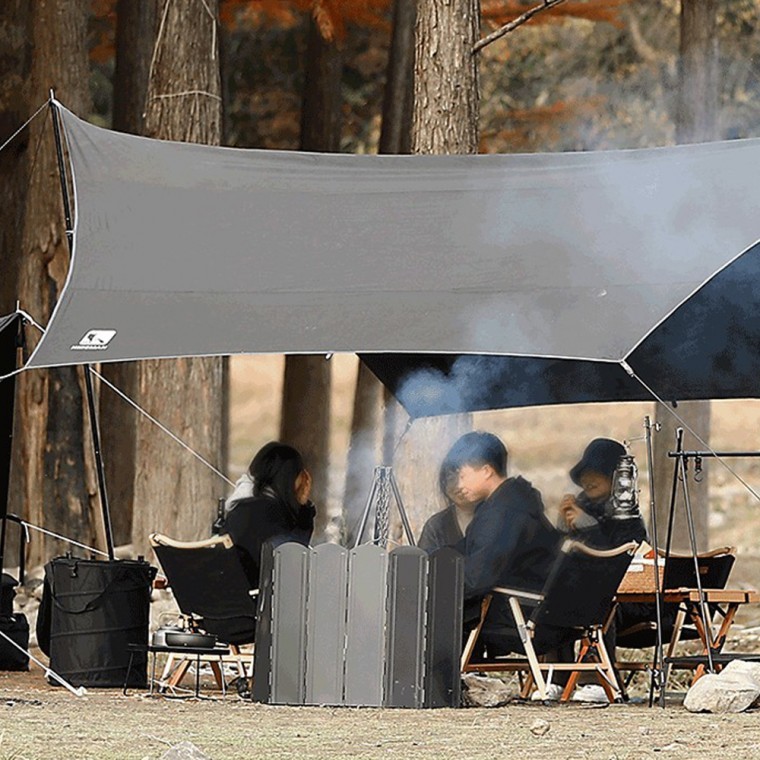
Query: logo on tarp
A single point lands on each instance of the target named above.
(94, 340)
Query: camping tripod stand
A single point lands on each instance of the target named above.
(384, 486)
(659, 673)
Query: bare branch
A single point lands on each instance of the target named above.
(519, 21)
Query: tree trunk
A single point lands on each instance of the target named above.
(305, 420)
(446, 98)
(696, 119)
(305, 423)
(398, 100)
(56, 481)
(174, 492)
(396, 138)
(370, 397)
(135, 38)
(15, 51)
(697, 109)
(445, 120)
(697, 415)
(362, 449)
(321, 108)
(135, 32)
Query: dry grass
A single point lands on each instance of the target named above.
(38, 722)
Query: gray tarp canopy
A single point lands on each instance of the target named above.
(190, 250)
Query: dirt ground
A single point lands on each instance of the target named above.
(39, 722)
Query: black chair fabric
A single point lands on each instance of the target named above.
(210, 585)
(636, 626)
(713, 571)
(580, 589)
(576, 596)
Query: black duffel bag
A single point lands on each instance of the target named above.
(91, 611)
(16, 628)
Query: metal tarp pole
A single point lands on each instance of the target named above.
(681, 461)
(659, 654)
(8, 346)
(88, 369)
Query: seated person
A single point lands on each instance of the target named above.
(447, 527)
(510, 542)
(590, 516)
(278, 511)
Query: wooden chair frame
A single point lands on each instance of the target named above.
(591, 641)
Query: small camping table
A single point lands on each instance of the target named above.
(727, 600)
(153, 651)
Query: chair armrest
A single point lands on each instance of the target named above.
(720, 551)
(158, 539)
(628, 548)
(517, 593)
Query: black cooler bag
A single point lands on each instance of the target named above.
(94, 609)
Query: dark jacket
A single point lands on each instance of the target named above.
(597, 527)
(510, 542)
(441, 529)
(263, 518)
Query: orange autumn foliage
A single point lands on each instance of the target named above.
(537, 126)
(102, 30)
(499, 12)
(252, 13)
(332, 16)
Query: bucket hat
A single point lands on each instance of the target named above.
(601, 455)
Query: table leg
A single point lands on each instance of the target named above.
(717, 642)
(152, 673)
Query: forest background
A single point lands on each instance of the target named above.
(324, 75)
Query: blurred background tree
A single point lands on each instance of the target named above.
(585, 75)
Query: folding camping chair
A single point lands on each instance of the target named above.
(714, 568)
(678, 573)
(213, 594)
(573, 606)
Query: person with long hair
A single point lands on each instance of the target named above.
(280, 509)
(447, 527)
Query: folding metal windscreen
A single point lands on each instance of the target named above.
(360, 628)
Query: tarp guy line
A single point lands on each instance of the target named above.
(134, 404)
(686, 426)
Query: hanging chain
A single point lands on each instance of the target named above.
(383, 506)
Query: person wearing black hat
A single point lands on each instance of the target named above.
(590, 515)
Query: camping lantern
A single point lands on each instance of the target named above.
(625, 489)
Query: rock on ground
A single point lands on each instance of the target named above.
(735, 689)
(184, 751)
(481, 691)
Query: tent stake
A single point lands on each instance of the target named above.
(88, 369)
